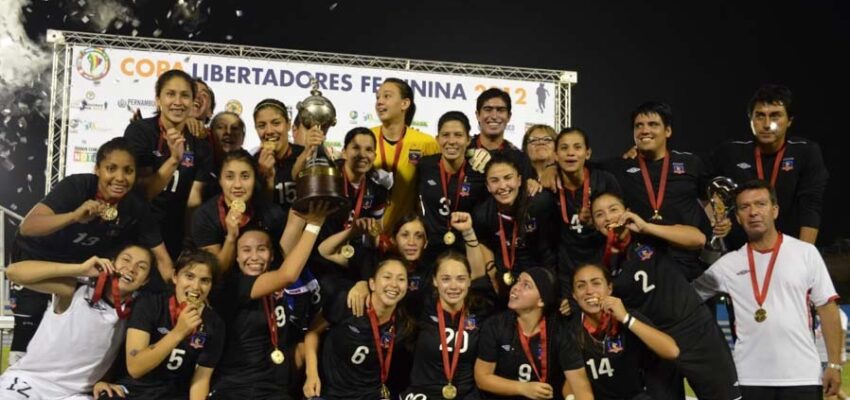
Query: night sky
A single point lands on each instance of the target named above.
(704, 58)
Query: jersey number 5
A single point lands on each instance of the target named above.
(175, 361)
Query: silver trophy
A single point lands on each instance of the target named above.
(721, 195)
(320, 179)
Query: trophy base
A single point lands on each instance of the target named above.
(319, 183)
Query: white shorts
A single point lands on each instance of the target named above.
(17, 386)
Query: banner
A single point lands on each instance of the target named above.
(108, 85)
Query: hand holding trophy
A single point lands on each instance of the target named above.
(320, 179)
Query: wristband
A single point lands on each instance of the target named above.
(626, 319)
(312, 228)
(834, 366)
(631, 322)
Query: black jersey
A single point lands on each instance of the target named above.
(172, 378)
(800, 181)
(283, 192)
(514, 153)
(500, 343)
(372, 205)
(208, 228)
(687, 179)
(246, 361)
(436, 209)
(614, 361)
(579, 243)
(535, 244)
(649, 280)
(427, 375)
(349, 363)
(77, 242)
(151, 151)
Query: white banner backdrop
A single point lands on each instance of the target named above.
(107, 85)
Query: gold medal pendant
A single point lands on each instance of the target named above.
(449, 238)
(760, 315)
(347, 251)
(508, 278)
(374, 230)
(449, 391)
(656, 216)
(277, 357)
(385, 392)
(238, 205)
(109, 213)
(269, 145)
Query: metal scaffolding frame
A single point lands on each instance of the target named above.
(63, 42)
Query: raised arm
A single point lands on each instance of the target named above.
(683, 236)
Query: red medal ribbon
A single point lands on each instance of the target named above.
(544, 350)
(222, 213)
(607, 325)
(361, 189)
(445, 178)
(398, 147)
(611, 244)
(776, 162)
(655, 201)
(384, 363)
(122, 309)
(585, 197)
(271, 320)
(508, 261)
(448, 369)
(762, 295)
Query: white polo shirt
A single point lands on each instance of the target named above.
(781, 350)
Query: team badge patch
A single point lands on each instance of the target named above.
(644, 252)
(413, 285)
(613, 345)
(386, 338)
(471, 323)
(198, 340)
(367, 201)
(787, 164)
(531, 225)
(678, 168)
(413, 156)
(188, 160)
(465, 188)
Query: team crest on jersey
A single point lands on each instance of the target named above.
(644, 252)
(387, 338)
(613, 345)
(743, 165)
(198, 340)
(471, 323)
(678, 168)
(413, 285)
(787, 164)
(367, 200)
(465, 188)
(413, 156)
(531, 225)
(188, 160)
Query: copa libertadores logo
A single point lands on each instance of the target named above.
(93, 63)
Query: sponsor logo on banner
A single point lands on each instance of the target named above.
(90, 95)
(352, 117)
(87, 126)
(93, 64)
(133, 104)
(234, 106)
(146, 67)
(85, 154)
(84, 105)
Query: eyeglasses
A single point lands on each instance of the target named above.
(540, 140)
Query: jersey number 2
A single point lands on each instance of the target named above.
(643, 278)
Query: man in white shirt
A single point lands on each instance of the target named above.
(770, 281)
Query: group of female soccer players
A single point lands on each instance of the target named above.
(179, 270)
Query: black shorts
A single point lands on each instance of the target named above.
(704, 357)
(253, 392)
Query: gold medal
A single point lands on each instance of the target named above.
(109, 213)
(761, 315)
(385, 392)
(449, 391)
(238, 205)
(449, 238)
(508, 278)
(656, 216)
(277, 356)
(347, 251)
(269, 145)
